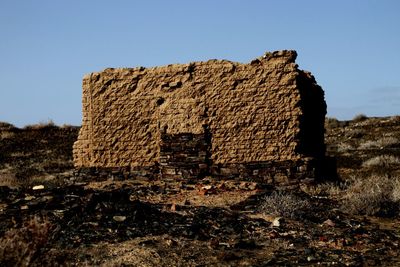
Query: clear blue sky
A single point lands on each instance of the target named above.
(352, 47)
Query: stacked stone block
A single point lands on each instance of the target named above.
(184, 155)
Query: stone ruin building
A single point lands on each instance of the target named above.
(263, 120)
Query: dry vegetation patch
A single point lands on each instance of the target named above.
(380, 143)
(20, 247)
(396, 190)
(7, 178)
(41, 125)
(344, 147)
(329, 190)
(360, 118)
(383, 161)
(375, 195)
(285, 204)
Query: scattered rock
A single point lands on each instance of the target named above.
(38, 187)
(28, 198)
(329, 222)
(119, 218)
(276, 222)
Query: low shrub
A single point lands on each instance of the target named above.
(355, 133)
(328, 189)
(332, 122)
(284, 204)
(344, 147)
(388, 141)
(396, 190)
(375, 195)
(6, 126)
(369, 145)
(360, 117)
(41, 125)
(20, 247)
(382, 161)
(6, 135)
(8, 179)
(380, 143)
(395, 118)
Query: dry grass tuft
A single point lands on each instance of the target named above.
(8, 178)
(395, 118)
(375, 195)
(6, 135)
(381, 143)
(20, 247)
(344, 147)
(41, 125)
(396, 190)
(328, 189)
(332, 122)
(382, 161)
(284, 204)
(6, 126)
(360, 117)
(355, 133)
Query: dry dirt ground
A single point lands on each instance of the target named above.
(48, 217)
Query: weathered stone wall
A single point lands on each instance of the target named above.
(264, 111)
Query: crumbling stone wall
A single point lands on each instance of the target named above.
(265, 112)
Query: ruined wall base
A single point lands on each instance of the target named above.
(286, 172)
(272, 173)
(117, 173)
(279, 173)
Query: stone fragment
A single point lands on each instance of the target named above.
(329, 222)
(38, 187)
(276, 222)
(118, 218)
(28, 198)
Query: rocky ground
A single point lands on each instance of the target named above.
(49, 218)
